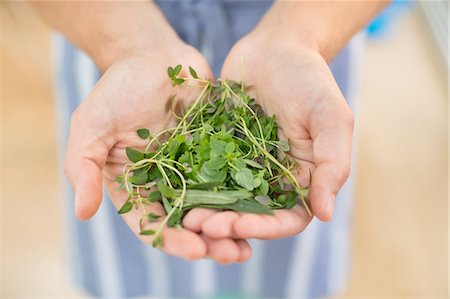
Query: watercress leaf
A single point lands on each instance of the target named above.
(134, 155)
(147, 232)
(127, 206)
(143, 133)
(244, 178)
(193, 72)
(177, 70)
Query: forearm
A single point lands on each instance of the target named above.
(323, 25)
(109, 31)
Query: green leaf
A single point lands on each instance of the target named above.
(154, 196)
(170, 72)
(243, 205)
(263, 199)
(291, 200)
(166, 204)
(119, 179)
(282, 199)
(256, 182)
(283, 145)
(175, 219)
(195, 197)
(165, 190)
(193, 72)
(134, 155)
(244, 178)
(230, 148)
(177, 70)
(127, 206)
(143, 133)
(205, 185)
(139, 178)
(253, 164)
(177, 81)
(151, 217)
(158, 241)
(147, 232)
(216, 163)
(264, 187)
(217, 146)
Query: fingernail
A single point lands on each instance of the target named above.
(330, 205)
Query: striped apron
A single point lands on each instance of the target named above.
(107, 260)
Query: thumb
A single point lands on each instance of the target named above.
(85, 158)
(332, 152)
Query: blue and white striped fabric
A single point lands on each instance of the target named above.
(109, 261)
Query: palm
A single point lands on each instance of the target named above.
(132, 94)
(297, 86)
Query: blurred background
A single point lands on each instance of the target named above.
(400, 243)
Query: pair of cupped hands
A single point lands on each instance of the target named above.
(288, 79)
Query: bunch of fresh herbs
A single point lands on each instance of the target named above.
(222, 154)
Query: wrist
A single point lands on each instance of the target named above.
(324, 27)
(111, 50)
(141, 31)
(286, 25)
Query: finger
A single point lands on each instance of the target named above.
(176, 241)
(245, 250)
(332, 151)
(194, 218)
(86, 155)
(183, 243)
(223, 251)
(283, 223)
(220, 225)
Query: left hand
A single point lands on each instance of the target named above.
(293, 82)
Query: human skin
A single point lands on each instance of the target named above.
(285, 61)
(133, 45)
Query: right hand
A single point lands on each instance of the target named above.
(133, 93)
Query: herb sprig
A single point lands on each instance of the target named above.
(222, 154)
